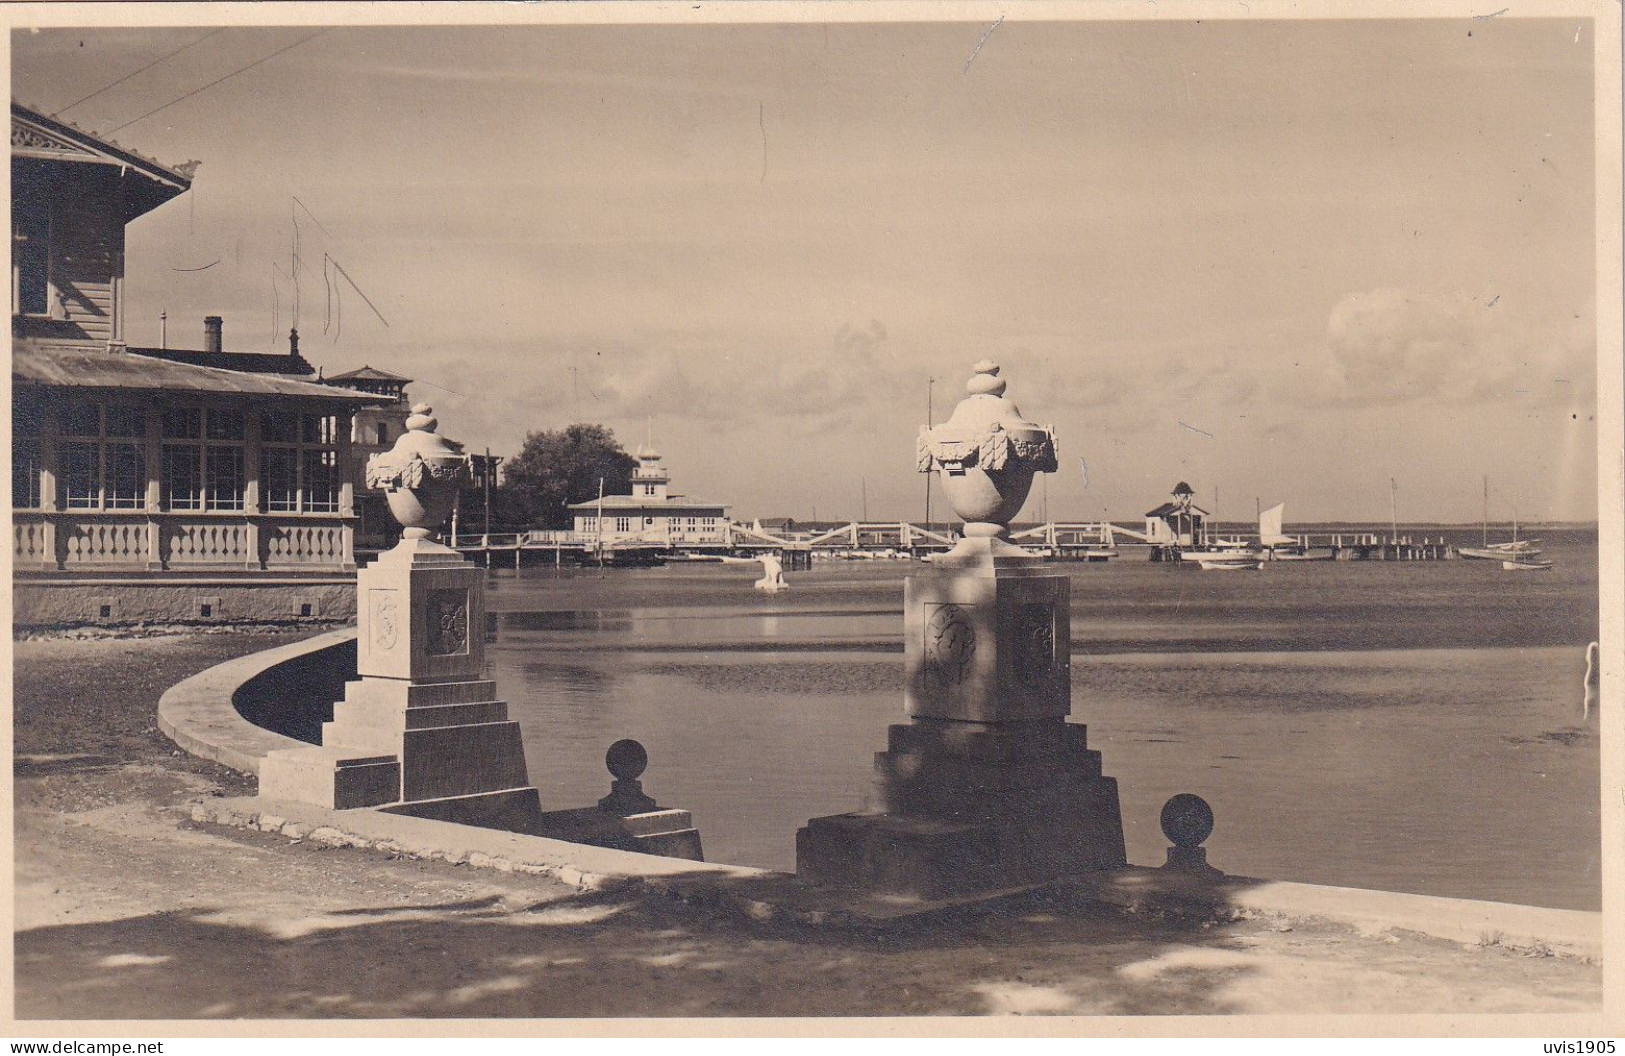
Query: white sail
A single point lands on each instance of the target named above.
(1269, 526)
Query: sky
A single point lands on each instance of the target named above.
(1284, 261)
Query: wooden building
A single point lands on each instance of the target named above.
(1178, 521)
(71, 197)
(651, 514)
(151, 486)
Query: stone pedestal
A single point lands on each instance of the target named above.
(988, 786)
(421, 731)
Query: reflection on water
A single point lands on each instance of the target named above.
(1456, 769)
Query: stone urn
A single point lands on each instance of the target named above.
(986, 454)
(421, 475)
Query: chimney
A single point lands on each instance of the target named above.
(293, 344)
(212, 340)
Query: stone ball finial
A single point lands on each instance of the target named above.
(422, 418)
(626, 760)
(985, 380)
(1187, 820)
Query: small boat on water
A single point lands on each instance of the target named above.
(1526, 564)
(1225, 560)
(1500, 551)
(1281, 547)
(1225, 555)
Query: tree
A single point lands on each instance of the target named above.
(558, 467)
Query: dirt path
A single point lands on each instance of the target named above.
(126, 909)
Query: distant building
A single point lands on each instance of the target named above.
(155, 485)
(1177, 521)
(651, 513)
(374, 430)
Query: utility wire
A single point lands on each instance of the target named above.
(312, 215)
(218, 80)
(340, 269)
(142, 70)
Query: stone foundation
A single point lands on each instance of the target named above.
(70, 600)
(960, 808)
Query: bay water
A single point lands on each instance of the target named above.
(1411, 726)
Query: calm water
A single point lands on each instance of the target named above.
(1411, 726)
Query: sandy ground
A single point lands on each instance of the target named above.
(127, 909)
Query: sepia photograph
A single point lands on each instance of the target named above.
(791, 512)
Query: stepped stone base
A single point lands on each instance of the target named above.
(329, 777)
(963, 808)
(668, 833)
(510, 810)
(392, 741)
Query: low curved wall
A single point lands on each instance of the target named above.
(236, 712)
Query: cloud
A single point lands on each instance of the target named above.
(1392, 346)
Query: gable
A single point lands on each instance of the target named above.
(36, 139)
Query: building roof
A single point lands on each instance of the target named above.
(621, 503)
(1173, 507)
(369, 374)
(247, 362)
(1183, 488)
(73, 368)
(35, 135)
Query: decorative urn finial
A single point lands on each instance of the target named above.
(421, 475)
(987, 453)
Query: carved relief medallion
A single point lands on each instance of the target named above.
(950, 645)
(448, 622)
(1034, 643)
(384, 611)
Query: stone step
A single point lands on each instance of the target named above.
(331, 777)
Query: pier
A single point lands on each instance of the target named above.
(867, 540)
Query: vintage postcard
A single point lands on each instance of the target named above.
(773, 518)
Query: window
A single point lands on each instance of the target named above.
(279, 428)
(223, 477)
(321, 481)
(185, 423)
(279, 479)
(206, 473)
(225, 425)
(25, 473)
(382, 432)
(299, 470)
(126, 421)
(102, 463)
(124, 477)
(623, 524)
(648, 489)
(81, 473)
(31, 258)
(182, 477)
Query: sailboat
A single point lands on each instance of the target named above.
(1518, 553)
(1281, 547)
